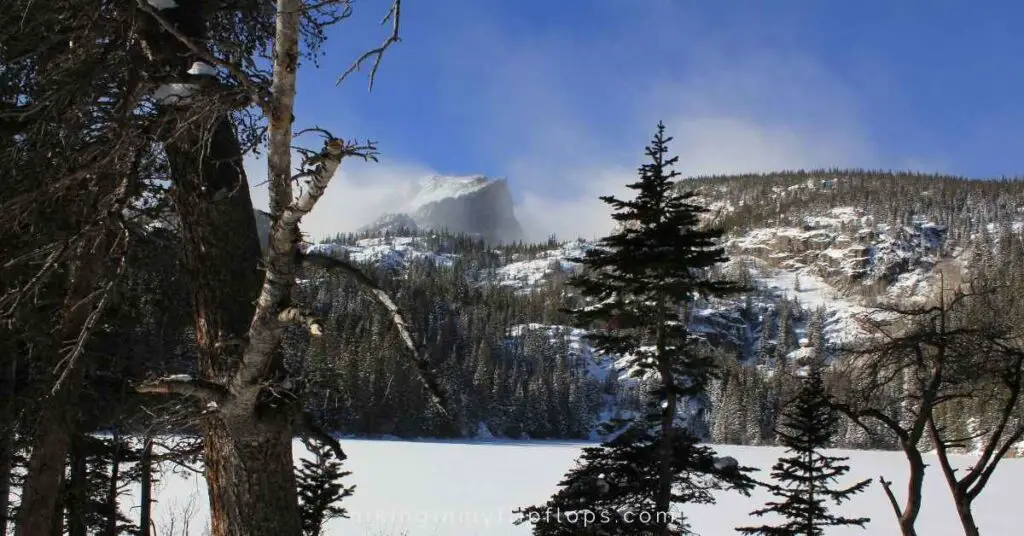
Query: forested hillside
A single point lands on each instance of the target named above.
(813, 249)
(491, 316)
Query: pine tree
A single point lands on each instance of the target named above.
(320, 489)
(806, 479)
(636, 281)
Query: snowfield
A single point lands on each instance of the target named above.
(437, 488)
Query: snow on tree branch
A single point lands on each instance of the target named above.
(257, 91)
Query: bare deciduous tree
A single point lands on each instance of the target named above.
(904, 364)
(991, 378)
(918, 360)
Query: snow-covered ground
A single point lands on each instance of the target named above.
(424, 488)
(393, 252)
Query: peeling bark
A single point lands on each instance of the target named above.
(251, 470)
(247, 441)
(249, 466)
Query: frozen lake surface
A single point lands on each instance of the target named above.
(428, 488)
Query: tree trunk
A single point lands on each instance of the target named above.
(963, 509)
(248, 456)
(251, 502)
(665, 474)
(77, 489)
(115, 474)
(146, 487)
(663, 500)
(58, 415)
(7, 440)
(6, 459)
(907, 518)
(40, 499)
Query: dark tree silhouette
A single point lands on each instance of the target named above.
(806, 478)
(637, 284)
(320, 487)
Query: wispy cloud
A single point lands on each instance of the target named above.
(769, 113)
(566, 117)
(358, 194)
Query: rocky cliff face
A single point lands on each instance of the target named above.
(474, 205)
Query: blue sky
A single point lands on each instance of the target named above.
(560, 96)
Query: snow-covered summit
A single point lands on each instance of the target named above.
(472, 204)
(439, 187)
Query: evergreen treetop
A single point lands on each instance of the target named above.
(806, 479)
(638, 277)
(320, 488)
(636, 286)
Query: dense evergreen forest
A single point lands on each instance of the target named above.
(506, 353)
(523, 382)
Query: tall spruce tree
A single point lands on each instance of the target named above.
(806, 480)
(638, 284)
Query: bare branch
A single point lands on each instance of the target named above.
(308, 429)
(286, 210)
(395, 16)
(323, 132)
(417, 352)
(887, 486)
(176, 455)
(204, 390)
(70, 361)
(941, 451)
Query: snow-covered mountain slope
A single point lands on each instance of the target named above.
(778, 263)
(524, 273)
(825, 248)
(394, 253)
(438, 188)
(474, 205)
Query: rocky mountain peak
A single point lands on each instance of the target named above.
(474, 204)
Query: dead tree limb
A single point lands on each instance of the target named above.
(294, 315)
(204, 390)
(395, 16)
(887, 486)
(417, 352)
(70, 361)
(307, 428)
